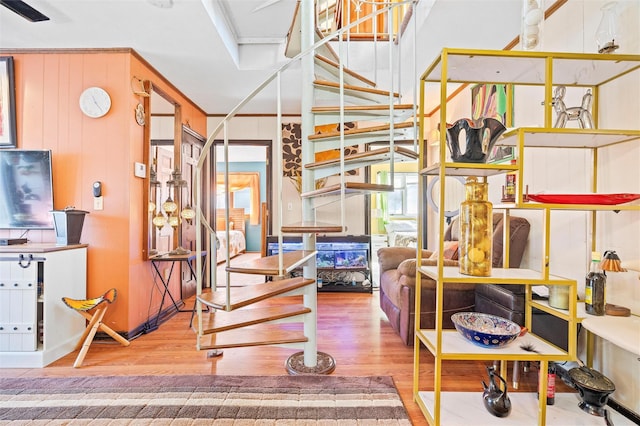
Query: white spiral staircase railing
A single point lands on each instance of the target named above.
(306, 58)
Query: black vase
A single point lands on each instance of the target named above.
(481, 135)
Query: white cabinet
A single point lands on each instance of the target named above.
(36, 327)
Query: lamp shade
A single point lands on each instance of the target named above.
(169, 206)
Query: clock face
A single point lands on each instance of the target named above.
(95, 102)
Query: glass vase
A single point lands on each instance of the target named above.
(476, 227)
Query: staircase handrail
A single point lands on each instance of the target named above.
(204, 153)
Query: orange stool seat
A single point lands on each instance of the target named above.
(95, 321)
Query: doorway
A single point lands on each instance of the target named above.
(250, 186)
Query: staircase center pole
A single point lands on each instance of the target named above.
(310, 361)
(307, 126)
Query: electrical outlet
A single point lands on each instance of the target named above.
(98, 203)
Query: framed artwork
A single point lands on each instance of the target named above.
(491, 100)
(292, 148)
(7, 103)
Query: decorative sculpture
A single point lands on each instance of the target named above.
(496, 401)
(565, 114)
(481, 135)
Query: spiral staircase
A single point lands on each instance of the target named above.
(331, 94)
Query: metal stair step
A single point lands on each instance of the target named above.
(362, 135)
(220, 321)
(378, 112)
(350, 188)
(355, 93)
(269, 265)
(361, 159)
(312, 227)
(330, 70)
(244, 296)
(258, 336)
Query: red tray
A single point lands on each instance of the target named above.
(604, 199)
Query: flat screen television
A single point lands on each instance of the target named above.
(26, 189)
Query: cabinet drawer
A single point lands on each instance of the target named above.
(18, 271)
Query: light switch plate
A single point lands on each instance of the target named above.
(140, 170)
(98, 203)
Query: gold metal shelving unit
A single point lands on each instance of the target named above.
(545, 69)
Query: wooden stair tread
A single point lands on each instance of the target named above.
(373, 156)
(248, 337)
(244, 296)
(360, 131)
(349, 188)
(354, 89)
(222, 321)
(380, 112)
(334, 67)
(364, 108)
(311, 227)
(269, 265)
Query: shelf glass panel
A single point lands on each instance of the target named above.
(498, 276)
(466, 408)
(456, 346)
(535, 137)
(560, 313)
(468, 169)
(517, 67)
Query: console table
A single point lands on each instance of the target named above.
(188, 259)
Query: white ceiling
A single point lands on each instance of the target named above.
(217, 51)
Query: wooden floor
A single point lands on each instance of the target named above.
(351, 328)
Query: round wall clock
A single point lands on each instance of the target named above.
(95, 102)
(140, 114)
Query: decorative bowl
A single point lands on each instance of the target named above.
(488, 331)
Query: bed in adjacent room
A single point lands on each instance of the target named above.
(237, 240)
(402, 233)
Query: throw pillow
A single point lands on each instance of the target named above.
(450, 251)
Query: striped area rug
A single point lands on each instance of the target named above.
(201, 400)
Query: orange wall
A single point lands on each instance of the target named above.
(85, 150)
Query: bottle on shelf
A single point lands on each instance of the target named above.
(509, 188)
(551, 383)
(594, 290)
(476, 226)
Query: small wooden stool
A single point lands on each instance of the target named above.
(95, 321)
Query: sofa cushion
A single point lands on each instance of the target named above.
(519, 234)
(391, 257)
(518, 241)
(511, 296)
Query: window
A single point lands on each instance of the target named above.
(403, 201)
